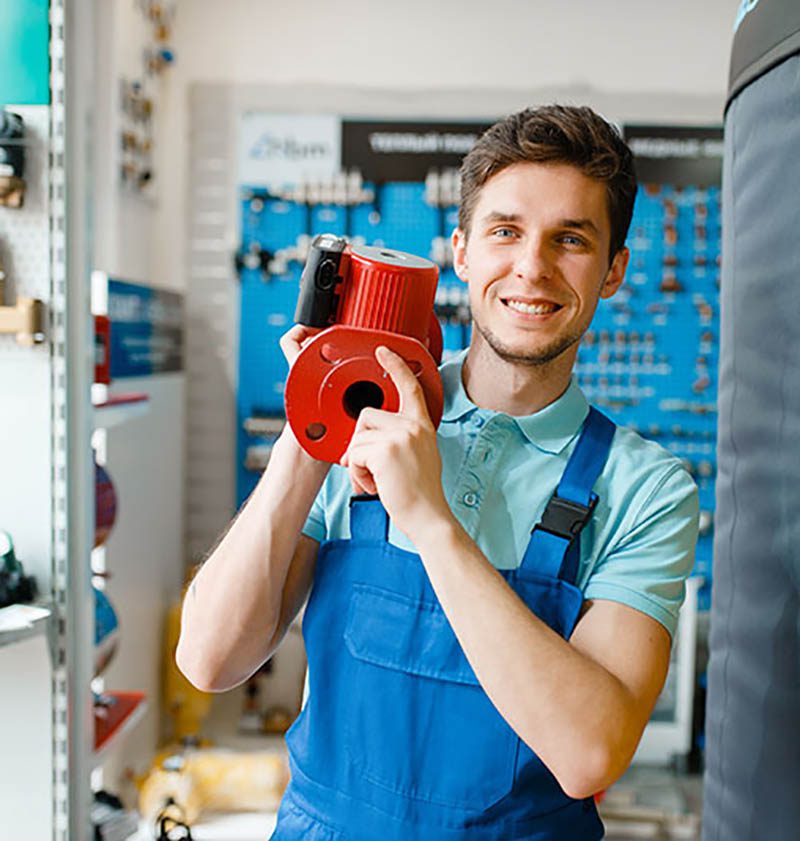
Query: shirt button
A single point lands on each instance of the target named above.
(477, 420)
(470, 499)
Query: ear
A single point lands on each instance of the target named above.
(459, 242)
(616, 273)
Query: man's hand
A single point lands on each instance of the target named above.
(293, 340)
(395, 455)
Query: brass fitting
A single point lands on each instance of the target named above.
(12, 191)
(26, 319)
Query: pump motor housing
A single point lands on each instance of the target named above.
(362, 297)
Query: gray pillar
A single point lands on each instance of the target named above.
(752, 783)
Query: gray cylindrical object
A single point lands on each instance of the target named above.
(752, 782)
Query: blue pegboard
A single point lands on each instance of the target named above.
(651, 357)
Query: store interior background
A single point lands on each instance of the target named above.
(173, 467)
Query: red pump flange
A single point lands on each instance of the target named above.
(364, 297)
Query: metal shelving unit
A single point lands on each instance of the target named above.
(49, 499)
(131, 708)
(22, 622)
(119, 409)
(71, 86)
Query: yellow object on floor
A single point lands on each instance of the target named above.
(187, 706)
(213, 780)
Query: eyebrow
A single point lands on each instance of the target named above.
(581, 225)
(498, 216)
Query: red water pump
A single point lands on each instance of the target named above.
(364, 297)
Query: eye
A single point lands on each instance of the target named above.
(504, 233)
(572, 239)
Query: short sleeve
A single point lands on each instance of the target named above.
(315, 526)
(647, 568)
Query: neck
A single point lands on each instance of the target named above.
(513, 387)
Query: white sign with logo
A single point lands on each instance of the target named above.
(287, 149)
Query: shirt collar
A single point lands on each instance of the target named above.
(550, 429)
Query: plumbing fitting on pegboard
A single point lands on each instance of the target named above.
(12, 160)
(26, 319)
(363, 297)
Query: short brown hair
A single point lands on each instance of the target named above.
(565, 134)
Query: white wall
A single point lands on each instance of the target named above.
(123, 221)
(641, 59)
(627, 45)
(26, 733)
(144, 555)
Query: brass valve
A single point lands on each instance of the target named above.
(26, 319)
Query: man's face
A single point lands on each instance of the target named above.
(536, 260)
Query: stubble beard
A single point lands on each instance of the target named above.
(533, 358)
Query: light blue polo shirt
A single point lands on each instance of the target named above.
(498, 472)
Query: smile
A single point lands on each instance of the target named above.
(539, 308)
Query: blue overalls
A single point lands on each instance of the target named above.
(398, 741)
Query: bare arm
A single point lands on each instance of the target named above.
(246, 594)
(253, 583)
(581, 705)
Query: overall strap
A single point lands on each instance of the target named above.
(368, 518)
(554, 547)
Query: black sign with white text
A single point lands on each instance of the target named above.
(679, 155)
(406, 151)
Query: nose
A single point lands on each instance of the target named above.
(533, 260)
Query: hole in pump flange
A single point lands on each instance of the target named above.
(361, 394)
(315, 431)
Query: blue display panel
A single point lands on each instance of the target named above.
(649, 360)
(25, 52)
(146, 335)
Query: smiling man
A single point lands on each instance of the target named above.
(536, 248)
(490, 618)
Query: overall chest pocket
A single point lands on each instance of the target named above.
(418, 722)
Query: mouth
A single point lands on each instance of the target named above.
(534, 307)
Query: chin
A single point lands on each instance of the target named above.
(524, 353)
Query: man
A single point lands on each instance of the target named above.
(483, 653)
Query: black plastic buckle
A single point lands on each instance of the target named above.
(565, 518)
(362, 498)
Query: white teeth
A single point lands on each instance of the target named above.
(531, 309)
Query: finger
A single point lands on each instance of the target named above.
(371, 418)
(361, 480)
(309, 333)
(358, 458)
(412, 399)
(290, 343)
(366, 438)
(358, 488)
(295, 334)
(293, 340)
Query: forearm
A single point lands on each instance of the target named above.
(232, 610)
(577, 716)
